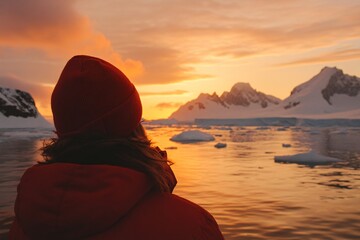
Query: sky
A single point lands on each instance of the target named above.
(172, 50)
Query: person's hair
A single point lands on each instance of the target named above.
(135, 152)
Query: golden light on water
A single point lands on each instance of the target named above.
(242, 186)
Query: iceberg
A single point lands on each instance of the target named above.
(282, 122)
(308, 158)
(192, 136)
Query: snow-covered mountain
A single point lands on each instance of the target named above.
(242, 101)
(18, 110)
(242, 94)
(329, 94)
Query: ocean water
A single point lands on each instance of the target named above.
(250, 195)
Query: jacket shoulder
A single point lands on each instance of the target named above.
(196, 219)
(166, 216)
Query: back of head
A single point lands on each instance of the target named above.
(97, 113)
(94, 97)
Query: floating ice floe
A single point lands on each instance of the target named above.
(220, 145)
(192, 136)
(339, 132)
(311, 157)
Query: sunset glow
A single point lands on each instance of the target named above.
(174, 50)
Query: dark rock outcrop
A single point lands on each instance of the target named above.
(340, 83)
(242, 94)
(17, 103)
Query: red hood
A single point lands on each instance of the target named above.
(73, 201)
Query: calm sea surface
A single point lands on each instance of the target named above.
(250, 195)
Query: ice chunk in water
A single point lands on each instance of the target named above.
(192, 136)
(311, 157)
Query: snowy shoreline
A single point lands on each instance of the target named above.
(264, 121)
(20, 122)
(280, 121)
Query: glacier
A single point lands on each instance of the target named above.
(279, 121)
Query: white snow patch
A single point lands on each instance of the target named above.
(8, 92)
(192, 136)
(20, 122)
(311, 157)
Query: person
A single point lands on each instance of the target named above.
(102, 178)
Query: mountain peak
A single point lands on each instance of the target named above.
(329, 71)
(343, 84)
(328, 91)
(319, 81)
(332, 69)
(241, 86)
(241, 100)
(244, 95)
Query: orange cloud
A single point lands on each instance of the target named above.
(168, 38)
(164, 64)
(171, 37)
(175, 92)
(57, 28)
(168, 105)
(339, 56)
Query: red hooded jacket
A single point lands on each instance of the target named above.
(73, 201)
